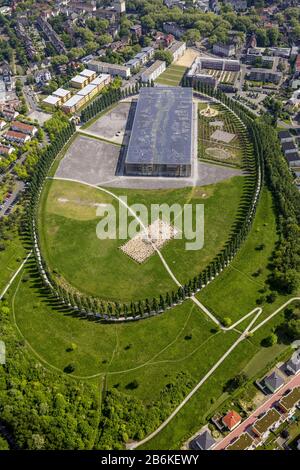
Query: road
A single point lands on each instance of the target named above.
(134, 445)
(294, 382)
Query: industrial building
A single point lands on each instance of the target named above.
(161, 141)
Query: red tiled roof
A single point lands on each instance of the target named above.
(21, 125)
(17, 135)
(231, 419)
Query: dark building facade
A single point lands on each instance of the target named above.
(161, 141)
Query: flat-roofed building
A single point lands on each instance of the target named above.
(111, 69)
(73, 104)
(243, 442)
(264, 75)
(52, 101)
(289, 402)
(161, 141)
(177, 49)
(101, 81)
(271, 420)
(88, 92)
(154, 71)
(226, 50)
(79, 81)
(63, 94)
(89, 74)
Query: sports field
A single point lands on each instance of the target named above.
(172, 76)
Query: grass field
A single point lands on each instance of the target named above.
(68, 225)
(152, 351)
(10, 258)
(172, 76)
(235, 291)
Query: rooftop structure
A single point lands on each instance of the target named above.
(231, 420)
(177, 49)
(289, 401)
(79, 81)
(274, 382)
(52, 101)
(87, 73)
(243, 442)
(22, 127)
(203, 442)
(87, 90)
(73, 104)
(161, 137)
(293, 365)
(62, 93)
(262, 425)
(112, 69)
(154, 71)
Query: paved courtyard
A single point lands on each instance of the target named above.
(112, 125)
(95, 162)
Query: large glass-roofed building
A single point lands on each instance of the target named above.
(161, 139)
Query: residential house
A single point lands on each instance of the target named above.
(203, 442)
(231, 420)
(264, 75)
(62, 94)
(288, 147)
(177, 50)
(154, 71)
(52, 101)
(242, 442)
(73, 104)
(28, 129)
(79, 81)
(10, 113)
(88, 74)
(17, 137)
(111, 69)
(6, 150)
(173, 28)
(274, 381)
(136, 30)
(285, 136)
(224, 50)
(269, 421)
(293, 365)
(289, 402)
(293, 159)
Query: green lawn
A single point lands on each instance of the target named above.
(99, 267)
(234, 292)
(172, 76)
(10, 258)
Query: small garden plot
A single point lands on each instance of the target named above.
(222, 136)
(222, 139)
(218, 153)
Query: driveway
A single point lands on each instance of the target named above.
(294, 382)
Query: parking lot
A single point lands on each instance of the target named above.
(112, 125)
